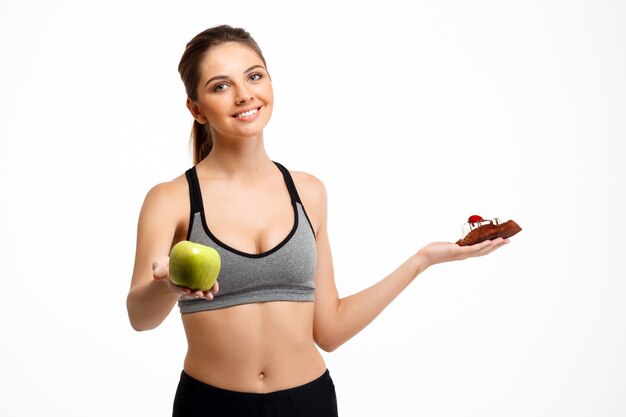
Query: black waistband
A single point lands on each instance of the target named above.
(324, 379)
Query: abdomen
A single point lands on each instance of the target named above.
(259, 347)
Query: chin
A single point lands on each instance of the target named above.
(254, 129)
(247, 132)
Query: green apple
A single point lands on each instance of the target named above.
(194, 265)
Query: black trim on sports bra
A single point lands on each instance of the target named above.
(289, 182)
(195, 201)
(293, 191)
(197, 205)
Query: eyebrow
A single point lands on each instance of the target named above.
(223, 77)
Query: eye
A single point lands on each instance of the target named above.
(255, 77)
(220, 87)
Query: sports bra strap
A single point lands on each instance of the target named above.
(194, 190)
(290, 184)
(195, 194)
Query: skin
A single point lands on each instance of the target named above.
(260, 347)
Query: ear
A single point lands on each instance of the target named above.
(195, 111)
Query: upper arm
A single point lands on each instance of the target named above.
(159, 220)
(314, 197)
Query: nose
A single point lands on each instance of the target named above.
(243, 96)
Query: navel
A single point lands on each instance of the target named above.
(261, 376)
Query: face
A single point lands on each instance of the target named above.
(235, 93)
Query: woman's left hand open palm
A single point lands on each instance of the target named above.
(439, 252)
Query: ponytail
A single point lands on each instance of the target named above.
(201, 141)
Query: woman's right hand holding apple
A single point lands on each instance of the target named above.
(160, 273)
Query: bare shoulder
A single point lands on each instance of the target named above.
(312, 192)
(169, 193)
(168, 203)
(309, 186)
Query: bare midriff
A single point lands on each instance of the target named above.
(258, 348)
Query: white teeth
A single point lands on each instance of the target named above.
(247, 113)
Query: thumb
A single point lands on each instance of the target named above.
(159, 269)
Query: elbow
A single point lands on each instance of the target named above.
(137, 320)
(140, 325)
(137, 326)
(327, 347)
(326, 333)
(325, 342)
(132, 317)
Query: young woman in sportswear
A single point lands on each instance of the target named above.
(253, 338)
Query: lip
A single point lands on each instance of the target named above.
(248, 118)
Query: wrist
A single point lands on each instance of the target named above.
(419, 262)
(163, 286)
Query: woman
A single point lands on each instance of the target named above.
(252, 343)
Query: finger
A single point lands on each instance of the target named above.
(208, 295)
(478, 248)
(189, 297)
(159, 271)
(182, 290)
(505, 242)
(216, 287)
(495, 244)
(160, 267)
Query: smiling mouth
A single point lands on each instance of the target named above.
(246, 114)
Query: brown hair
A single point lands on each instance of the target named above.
(189, 70)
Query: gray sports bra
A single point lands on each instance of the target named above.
(283, 273)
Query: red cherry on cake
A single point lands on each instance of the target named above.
(474, 219)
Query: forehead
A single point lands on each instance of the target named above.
(231, 58)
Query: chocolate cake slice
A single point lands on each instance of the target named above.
(481, 230)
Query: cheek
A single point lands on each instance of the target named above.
(269, 99)
(267, 92)
(216, 106)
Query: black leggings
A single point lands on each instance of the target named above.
(313, 399)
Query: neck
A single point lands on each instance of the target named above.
(238, 157)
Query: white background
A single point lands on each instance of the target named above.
(414, 117)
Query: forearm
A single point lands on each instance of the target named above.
(356, 311)
(149, 304)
